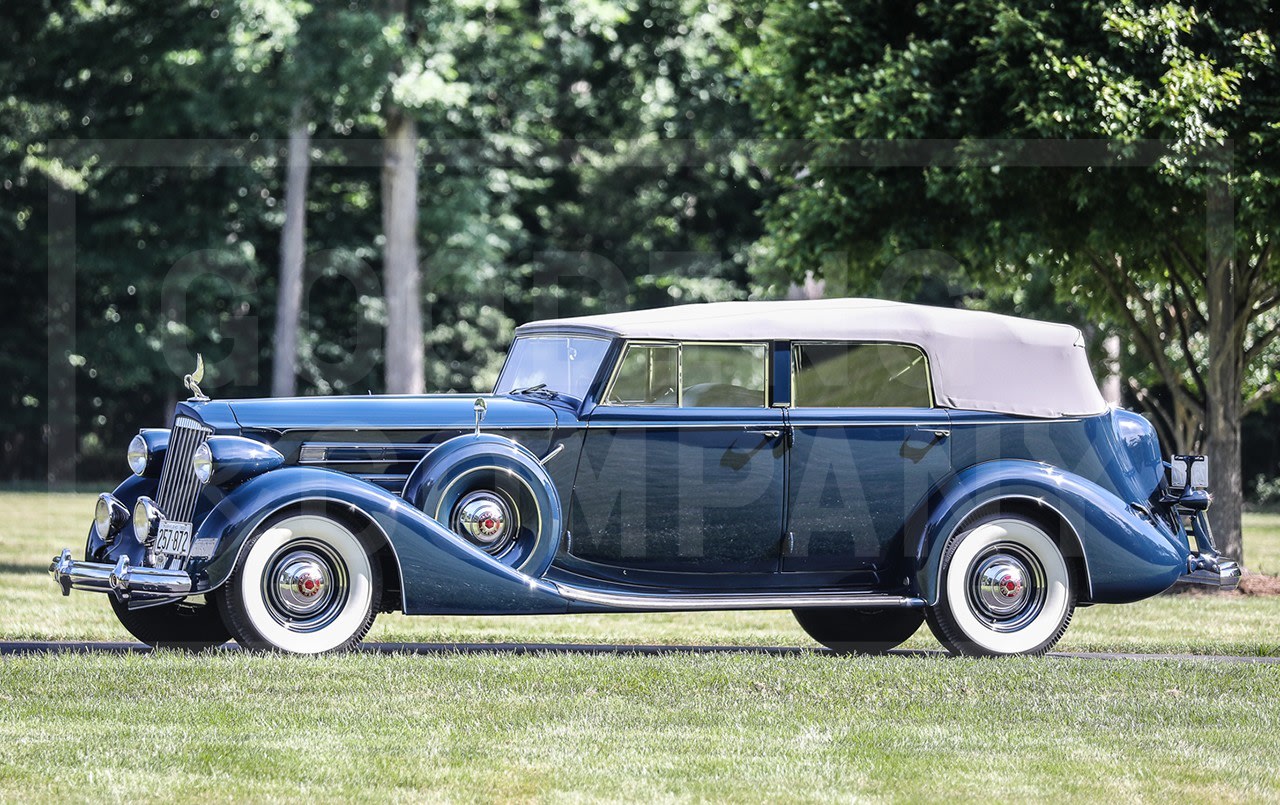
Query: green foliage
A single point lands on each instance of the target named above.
(553, 153)
(1004, 104)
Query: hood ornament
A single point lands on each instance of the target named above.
(480, 407)
(192, 381)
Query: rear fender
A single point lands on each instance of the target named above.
(440, 572)
(1125, 556)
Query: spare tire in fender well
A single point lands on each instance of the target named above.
(450, 470)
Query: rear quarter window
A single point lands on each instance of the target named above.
(861, 376)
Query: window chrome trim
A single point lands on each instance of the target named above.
(795, 371)
(552, 334)
(679, 347)
(617, 370)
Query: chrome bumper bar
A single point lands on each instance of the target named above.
(121, 579)
(1213, 571)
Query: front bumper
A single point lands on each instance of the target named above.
(122, 580)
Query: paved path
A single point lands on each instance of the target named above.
(29, 648)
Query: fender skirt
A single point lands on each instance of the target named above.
(1126, 557)
(440, 572)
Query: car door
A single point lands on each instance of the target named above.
(682, 467)
(867, 446)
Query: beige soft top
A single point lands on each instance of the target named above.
(979, 361)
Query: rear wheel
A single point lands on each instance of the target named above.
(181, 625)
(860, 631)
(1003, 588)
(305, 584)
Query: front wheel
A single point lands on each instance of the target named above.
(1003, 588)
(854, 630)
(305, 584)
(181, 626)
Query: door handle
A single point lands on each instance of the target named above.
(921, 441)
(770, 432)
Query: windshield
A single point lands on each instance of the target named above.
(555, 363)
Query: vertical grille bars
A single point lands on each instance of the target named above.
(179, 487)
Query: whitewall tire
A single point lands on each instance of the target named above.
(1003, 588)
(304, 584)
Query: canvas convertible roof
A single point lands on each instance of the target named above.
(979, 361)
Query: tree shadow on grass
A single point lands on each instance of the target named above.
(37, 648)
(25, 568)
(446, 649)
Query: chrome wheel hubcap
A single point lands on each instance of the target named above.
(301, 581)
(1002, 584)
(1006, 587)
(487, 519)
(305, 587)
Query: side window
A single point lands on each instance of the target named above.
(861, 375)
(647, 376)
(731, 376)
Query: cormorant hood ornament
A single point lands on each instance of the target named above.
(192, 381)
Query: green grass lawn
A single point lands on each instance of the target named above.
(553, 726)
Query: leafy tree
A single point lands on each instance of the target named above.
(1170, 243)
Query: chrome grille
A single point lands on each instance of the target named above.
(179, 487)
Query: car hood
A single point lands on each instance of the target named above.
(374, 412)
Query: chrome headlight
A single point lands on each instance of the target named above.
(202, 463)
(147, 451)
(109, 516)
(138, 455)
(146, 519)
(225, 460)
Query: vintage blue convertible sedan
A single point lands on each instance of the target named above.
(868, 465)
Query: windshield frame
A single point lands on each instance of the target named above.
(574, 394)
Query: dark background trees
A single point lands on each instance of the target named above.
(583, 156)
(1129, 153)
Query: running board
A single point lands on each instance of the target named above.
(660, 602)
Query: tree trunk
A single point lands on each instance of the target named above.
(1223, 381)
(404, 345)
(284, 369)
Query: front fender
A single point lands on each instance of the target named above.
(1126, 558)
(440, 572)
(124, 544)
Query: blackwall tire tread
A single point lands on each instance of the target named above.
(852, 630)
(189, 628)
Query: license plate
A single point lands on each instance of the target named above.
(173, 539)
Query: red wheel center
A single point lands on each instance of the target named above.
(309, 585)
(1010, 586)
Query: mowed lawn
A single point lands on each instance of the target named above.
(702, 725)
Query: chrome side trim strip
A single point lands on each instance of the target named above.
(367, 453)
(677, 425)
(773, 600)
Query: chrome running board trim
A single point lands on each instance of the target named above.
(772, 600)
